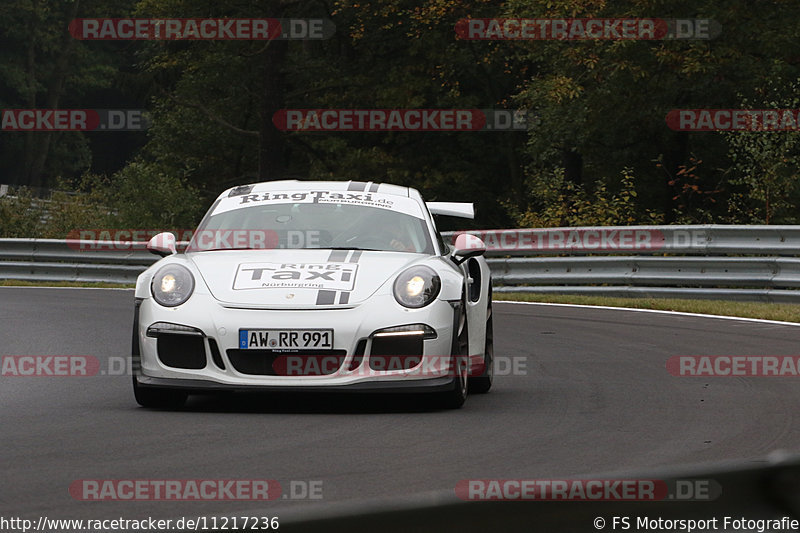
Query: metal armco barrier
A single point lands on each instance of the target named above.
(747, 263)
(63, 260)
(769, 492)
(690, 240)
(705, 261)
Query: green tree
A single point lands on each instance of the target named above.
(43, 66)
(602, 104)
(766, 165)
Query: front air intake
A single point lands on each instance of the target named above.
(177, 350)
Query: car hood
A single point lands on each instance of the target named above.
(297, 279)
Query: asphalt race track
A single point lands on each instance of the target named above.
(594, 397)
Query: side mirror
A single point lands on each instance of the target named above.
(162, 244)
(467, 246)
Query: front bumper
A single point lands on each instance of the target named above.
(217, 327)
(415, 386)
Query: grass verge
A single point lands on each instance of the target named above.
(782, 312)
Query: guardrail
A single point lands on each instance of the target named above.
(72, 260)
(708, 261)
(765, 492)
(689, 240)
(738, 262)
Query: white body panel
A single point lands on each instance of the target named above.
(350, 292)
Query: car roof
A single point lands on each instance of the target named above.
(347, 186)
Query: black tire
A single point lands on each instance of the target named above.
(483, 383)
(158, 398)
(455, 397)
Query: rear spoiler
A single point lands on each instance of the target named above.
(453, 209)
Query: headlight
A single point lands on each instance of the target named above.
(417, 287)
(172, 285)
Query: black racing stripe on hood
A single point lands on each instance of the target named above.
(344, 296)
(325, 297)
(337, 256)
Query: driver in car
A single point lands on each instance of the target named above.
(400, 240)
(371, 232)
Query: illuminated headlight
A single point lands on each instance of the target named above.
(417, 287)
(172, 285)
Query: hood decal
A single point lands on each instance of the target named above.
(331, 276)
(282, 276)
(328, 297)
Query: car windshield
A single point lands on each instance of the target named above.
(312, 225)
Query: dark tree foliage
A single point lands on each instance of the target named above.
(598, 152)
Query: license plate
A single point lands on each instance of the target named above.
(275, 339)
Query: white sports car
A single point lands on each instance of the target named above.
(315, 286)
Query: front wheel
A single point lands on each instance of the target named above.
(459, 363)
(481, 384)
(158, 398)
